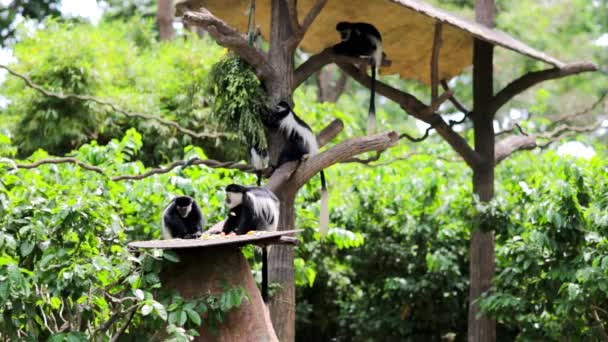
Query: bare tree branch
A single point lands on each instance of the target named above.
(583, 112)
(194, 161)
(515, 143)
(368, 162)
(516, 126)
(311, 16)
(126, 325)
(419, 110)
(300, 30)
(318, 61)
(292, 8)
(65, 160)
(112, 106)
(349, 148)
(230, 38)
(365, 161)
(155, 171)
(435, 61)
(532, 78)
(457, 104)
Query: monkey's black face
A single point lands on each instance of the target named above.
(183, 204)
(184, 211)
(234, 195)
(344, 29)
(282, 109)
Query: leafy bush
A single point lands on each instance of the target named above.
(117, 61)
(408, 281)
(64, 262)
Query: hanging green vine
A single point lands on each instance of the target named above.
(238, 100)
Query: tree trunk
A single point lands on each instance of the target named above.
(164, 16)
(280, 270)
(482, 258)
(280, 258)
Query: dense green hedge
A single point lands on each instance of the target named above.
(409, 279)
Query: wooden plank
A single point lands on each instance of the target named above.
(263, 238)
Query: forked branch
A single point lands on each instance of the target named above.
(300, 29)
(533, 78)
(230, 38)
(421, 111)
(516, 143)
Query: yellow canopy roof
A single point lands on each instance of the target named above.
(407, 28)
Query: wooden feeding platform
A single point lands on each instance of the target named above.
(261, 238)
(209, 263)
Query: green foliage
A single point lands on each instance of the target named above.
(117, 61)
(238, 101)
(408, 280)
(551, 259)
(64, 261)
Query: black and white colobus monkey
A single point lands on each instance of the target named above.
(251, 208)
(362, 40)
(258, 157)
(182, 219)
(301, 141)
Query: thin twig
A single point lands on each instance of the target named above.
(64, 160)
(583, 112)
(161, 170)
(195, 161)
(111, 105)
(516, 126)
(122, 329)
(457, 104)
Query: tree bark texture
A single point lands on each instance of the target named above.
(164, 17)
(280, 258)
(280, 270)
(481, 254)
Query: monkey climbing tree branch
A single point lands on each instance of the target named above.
(230, 38)
(281, 175)
(299, 173)
(532, 78)
(113, 106)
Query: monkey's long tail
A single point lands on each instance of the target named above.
(324, 209)
(371, 116)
